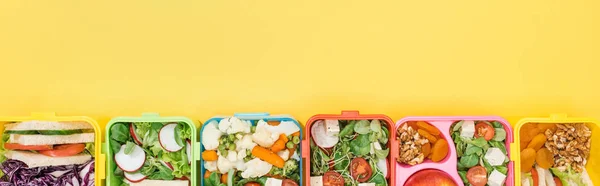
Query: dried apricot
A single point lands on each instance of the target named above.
(524, 145)
(439, 151)
(545, 126)
(544, 158)
(428, 127)
(528, 131)
(412, 124)
(527, 159)
(537, 142)
(426, 149)
(426, 134)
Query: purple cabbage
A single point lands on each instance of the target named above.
(17, 173)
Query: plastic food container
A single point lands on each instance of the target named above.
(99, 158)
(352, 115)
(111, 179)
(593, 160)
(448, 164)
(252, 117)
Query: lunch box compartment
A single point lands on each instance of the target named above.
(111, 179)
(592, 161)
(352, 115)
(99, 158)
(252, 117)
(449, 163)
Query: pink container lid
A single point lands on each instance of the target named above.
(448, 164)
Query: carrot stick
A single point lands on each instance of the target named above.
(224, 178)
(279, 144)
(210, 155)
(207, 174)
(296, 134)
(268, 156)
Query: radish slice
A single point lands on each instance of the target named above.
(167, 164)
(321, 139)
(188, 151)
(136, 138)
(132, 162)
(167, 140)
(134, 177)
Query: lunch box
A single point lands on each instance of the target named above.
(352, 115)
(99, 158)
(252, 117)
(449, 163)
(111, 179)
(593, 160)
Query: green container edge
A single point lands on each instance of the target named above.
(111, 179)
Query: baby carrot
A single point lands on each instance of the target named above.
(268, 156)
(279, 144)
(210, 155)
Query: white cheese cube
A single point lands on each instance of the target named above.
(316, 181)
(366, 184)
(273, 182)
(496, 178)
(332, 127)
(494, 156)
(468, 129)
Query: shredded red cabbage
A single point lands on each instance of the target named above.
(17, 173)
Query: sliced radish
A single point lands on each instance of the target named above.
(134, 177)
(320, 136)
(167, 164)
(167, 140)
(188, 151)
(136, 138)
(132, 162)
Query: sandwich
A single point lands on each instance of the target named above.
(47, 153)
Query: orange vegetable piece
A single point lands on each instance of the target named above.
(528, 131)
(268, 156)
(279, 144)
(538, 142)
(439, 151)
(428, 127)
(426, 134)
(527, 159)
(224, 178)
(296, 134)
(274, 122)
(426, 149)
(545, 126)
(207, 174)
(544, 158)
(210, 155)
(412, 124)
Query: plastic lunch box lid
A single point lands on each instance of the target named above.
(251, 116)
(554, 118)
(350, 115)
(149, 117)
(51, 116)
(509, 141)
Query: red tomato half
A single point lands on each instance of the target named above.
(331, 178)
(360, 169)
(289, 182)
(64, 150)
(477, 176)
(484, 130)
(15, 146)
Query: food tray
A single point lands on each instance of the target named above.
(448, 164)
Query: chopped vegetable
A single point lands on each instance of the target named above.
(210, 155)
(280, 144)
(268, 156)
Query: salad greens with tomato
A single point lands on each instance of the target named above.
(147, 151)
(349, 152)
(481, 152)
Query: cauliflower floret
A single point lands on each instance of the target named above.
(224, 165)
(284, 154)
(234, 125)
(256, 168)
(245, 143)
(232, 156)
(210, 165)
(241, 155)
(263, 136)
(284, 127)
(240, 165)
(210, 136)
(295, 156)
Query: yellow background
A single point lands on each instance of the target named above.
(200, 58)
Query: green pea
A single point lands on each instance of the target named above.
(231, 137)
(296, 140)
(289, 145)
(232, 146)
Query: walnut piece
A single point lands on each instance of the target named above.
(410, 143)
(570, 145)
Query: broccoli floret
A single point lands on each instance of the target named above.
(290, 167)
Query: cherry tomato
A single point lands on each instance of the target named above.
(360, 170)
(557, 181)
(252, 184)
(477, 176)
(332, 178)
(64, 150)
(535, 176)
(289, 182)
(15, 146)
(484, 130)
